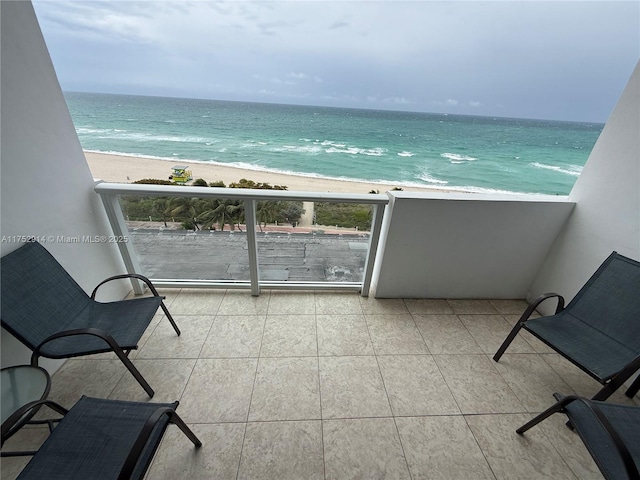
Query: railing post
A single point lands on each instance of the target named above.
(120, 231)
(374, 238)
(252, 245)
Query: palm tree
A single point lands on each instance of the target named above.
(162, 208)
(186, 208)
(267, 212)
(220, 211)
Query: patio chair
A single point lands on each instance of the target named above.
(610, 431)
(101, 439)
(599, 330)
(46, 310)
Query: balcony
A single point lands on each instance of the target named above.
(323, 384)
(317, 384)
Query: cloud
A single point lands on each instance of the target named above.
(397, 101)
(297, 76)
(542, 59)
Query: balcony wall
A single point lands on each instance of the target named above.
(46, 185)
(465, 245)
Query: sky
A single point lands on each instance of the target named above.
(525, 59)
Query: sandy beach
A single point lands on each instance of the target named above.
(125, 169)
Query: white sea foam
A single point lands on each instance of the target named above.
(87, 130)
(457, 158)
(331, 146)
(573, 170)
(371, 152)
(309, 149)
(144, 137)
(429, 179)
(375, 152)
(177, 139)
(404, 153)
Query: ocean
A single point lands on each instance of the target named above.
(452, 152)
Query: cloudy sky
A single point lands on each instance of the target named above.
(541, 59)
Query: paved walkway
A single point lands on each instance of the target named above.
(285, 254)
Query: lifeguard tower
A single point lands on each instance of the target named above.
(181, 174)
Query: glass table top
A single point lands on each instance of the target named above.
(20, 385)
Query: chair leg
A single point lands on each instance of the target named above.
(557, 407)
(176, 420)
(614, 384)
(632, 391)
(169, 317)
(514, 331)
(134, 371)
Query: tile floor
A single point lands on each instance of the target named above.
(317, 385)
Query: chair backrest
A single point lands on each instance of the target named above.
(610, 300)
(38, 297)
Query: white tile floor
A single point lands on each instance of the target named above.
(306, 385)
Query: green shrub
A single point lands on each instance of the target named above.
(154, 181)
(347, 215)
(209, 211)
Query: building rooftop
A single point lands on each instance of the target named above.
(319, 385)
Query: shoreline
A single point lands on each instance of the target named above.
(128, 169)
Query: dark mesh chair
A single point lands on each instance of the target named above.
(599, 330)
(102, 440)
(44, 308)
(611, 433)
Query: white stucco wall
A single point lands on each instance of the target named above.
(607, 196)
(465, 245)
(46, 186)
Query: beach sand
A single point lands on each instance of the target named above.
(125, 169)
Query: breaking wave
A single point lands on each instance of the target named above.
(457, 158)
(573, 170)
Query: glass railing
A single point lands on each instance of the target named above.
(188, 236)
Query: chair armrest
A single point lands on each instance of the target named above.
(523, 319)
(538, 300)
(78, 331)
(145, 434)
(127, 275)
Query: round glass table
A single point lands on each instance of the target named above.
(21, 385)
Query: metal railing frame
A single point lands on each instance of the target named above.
(109, 193)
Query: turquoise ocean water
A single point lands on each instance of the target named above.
(484, 154)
